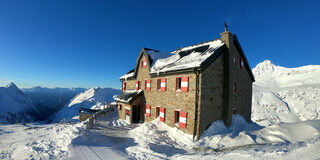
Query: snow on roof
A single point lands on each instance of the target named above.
(187, 57)
(156, 55)
(127, 75)
(127, 96)
(182, 58)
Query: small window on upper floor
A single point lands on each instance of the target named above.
(178, 84)
(158, 84)
(234, 87)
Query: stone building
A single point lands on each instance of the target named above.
(190, 87)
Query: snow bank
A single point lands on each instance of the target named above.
(241, 133)
(156, 140)
(34, 141)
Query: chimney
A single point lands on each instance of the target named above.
(226, 36)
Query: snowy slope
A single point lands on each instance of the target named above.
(51, 99)
(15, 106)
(285, 94)
(94, 98)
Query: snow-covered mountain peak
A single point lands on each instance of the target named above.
(13, 87)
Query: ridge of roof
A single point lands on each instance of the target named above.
(195, 44)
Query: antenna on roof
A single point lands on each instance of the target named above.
(225, 27)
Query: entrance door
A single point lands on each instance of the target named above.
(136, 114)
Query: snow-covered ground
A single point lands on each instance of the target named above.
(37, 141)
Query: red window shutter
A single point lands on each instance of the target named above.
(137, 85)
(184, 84)
(183, 119)
(234, 110)
(124, 86)
(242, 63)
(148, 111)
(145, 63)
(148, 85)
(162, 114)
(163, 84)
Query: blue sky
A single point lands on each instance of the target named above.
(92, 43)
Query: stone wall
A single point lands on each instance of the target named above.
(211, 94)
(170, 99)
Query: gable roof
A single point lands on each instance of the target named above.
(183, 58)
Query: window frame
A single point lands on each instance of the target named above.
(234, 87)
(157, 111)
(159, 84)
(176, 121)
(178, 86)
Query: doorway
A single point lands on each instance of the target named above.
(136, 114)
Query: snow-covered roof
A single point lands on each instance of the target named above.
(127, 75)
(127, 96)
(183, 58)
(187, 57)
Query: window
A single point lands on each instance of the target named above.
(148, 85)
(234, 110)
(120, 107)
(145, 84)
(148, 110)
(182, 84)
(239, 64)
(178, 84)
(157, 111)
(242, 63)
(180, 119)
(234, 61)
(124, 86)
(158, 84)
(162, 114)
(234, 87)
(141, 63)
(137, 85)
(176, 117)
